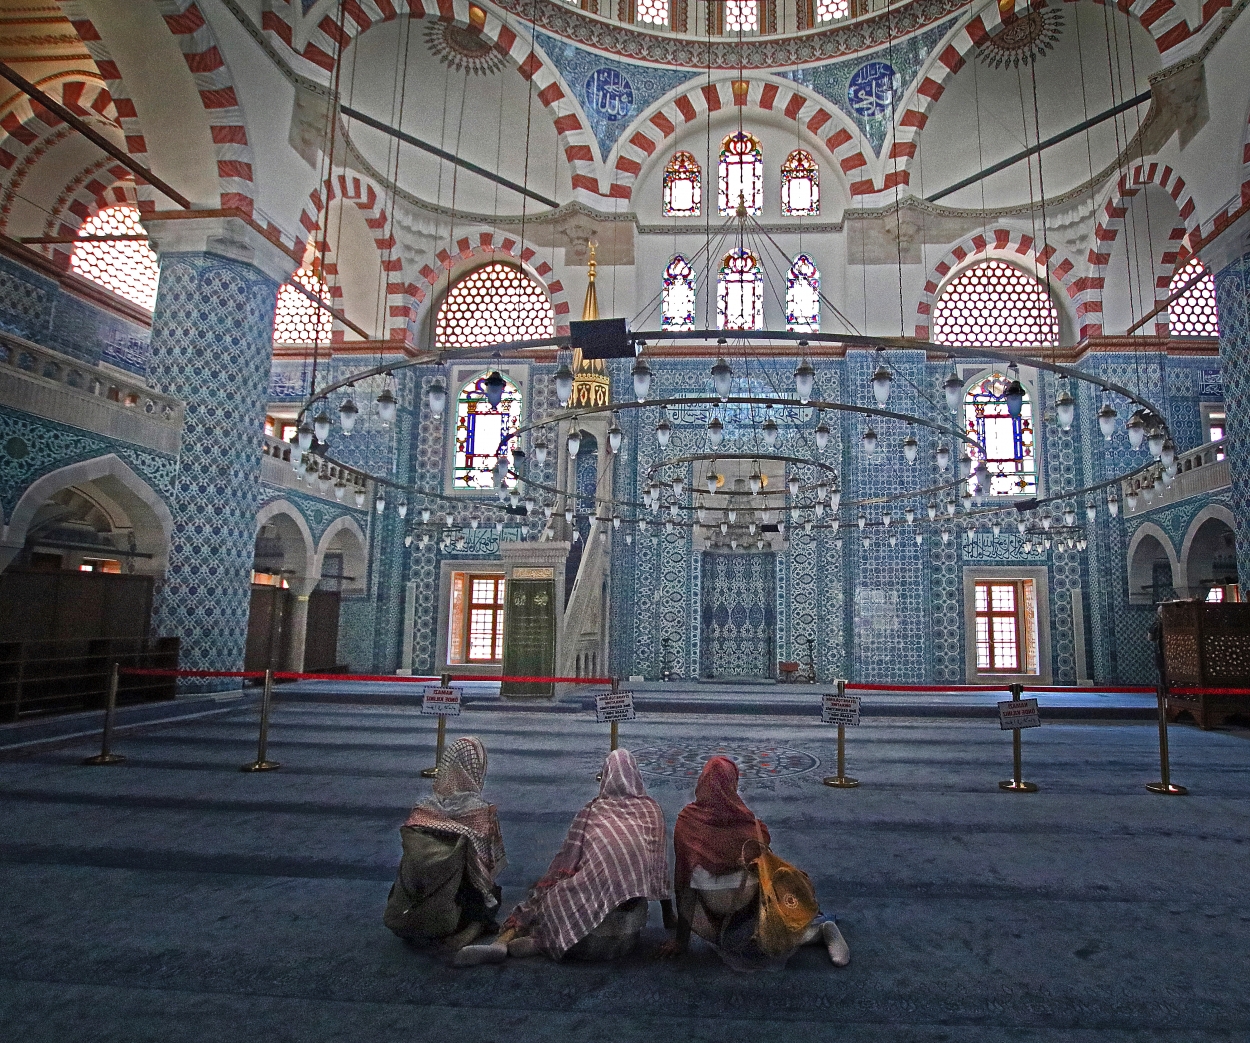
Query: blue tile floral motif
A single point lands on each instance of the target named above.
(1232, 295)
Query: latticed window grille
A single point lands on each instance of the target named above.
(803, 296)
(480, 432)
(997, 305)
(298, 320)
(653, 12)
(678, 296)
(1008, 440)
(741, 174)
(998, 629)
(800, 184)
(829, 10)
(492, 305)
(740, 293)
(1195, 313)
(127, 267)
(742, 16)
(683, 188)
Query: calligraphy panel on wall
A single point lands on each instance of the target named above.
(739, 615)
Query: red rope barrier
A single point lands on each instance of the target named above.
(1127, 688)
(1197, 690)
(926, 687)
(288, 675)
(535, 680)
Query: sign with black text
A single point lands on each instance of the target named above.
(442, 702)
(1018, 713)
(614, 706)
(839, 709)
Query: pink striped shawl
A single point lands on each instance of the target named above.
(615, 850)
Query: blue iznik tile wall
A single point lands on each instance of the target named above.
(35, 307)
(211, 346)
(1232, 294)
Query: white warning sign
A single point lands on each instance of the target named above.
(614, 706)
(839, 709)
(1018, 713)
(442, 702)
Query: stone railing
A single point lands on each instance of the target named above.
(59, 387)
(309, 473)
(1201, 470)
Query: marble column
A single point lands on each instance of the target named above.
(1232, 294)
(212, 343)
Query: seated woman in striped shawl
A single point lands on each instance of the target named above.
(592, 902)
(453, 850)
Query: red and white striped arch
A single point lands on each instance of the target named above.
(103, 184)
(1007, 244)
(763, 95)
(486, 245)
(1111, 221)
(326, 41)
(213, 81)
(26, 123)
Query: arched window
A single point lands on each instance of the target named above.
(493, 305)
(997, 305)
(678, 297)
(480, 428)
(800, 184)
(298, 320)
(127, 267)
(1008, 440)
(740, 294)
(653, 12)
(742, 16)
(828, 10)
(683, 186)
(803, 296)
(741, 174)
(1194, 314)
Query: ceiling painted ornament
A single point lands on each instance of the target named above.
(462, 50)
(1022, 41)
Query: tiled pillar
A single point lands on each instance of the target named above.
(1232, 294)
(212, 341)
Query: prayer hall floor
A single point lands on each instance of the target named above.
(172, 898)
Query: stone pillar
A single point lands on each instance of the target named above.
(1232, 294)
(212, 342)
(297, 641)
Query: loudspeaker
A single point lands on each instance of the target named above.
(601, 339)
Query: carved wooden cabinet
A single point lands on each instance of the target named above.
(1206, 645)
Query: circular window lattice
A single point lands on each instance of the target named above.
(1023, 40)
(1195, 314)
(493, 305)
(127, 267)
(995, 304)
(755, 760)
(462, 50)
(298, 320)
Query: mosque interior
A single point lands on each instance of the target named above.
(772, 353)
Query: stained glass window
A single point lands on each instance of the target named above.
(800, 184)
(653, 12)
(997, 305)
(480, 429)
(678, 296)
(1194, 314)
(741, 174)
(742, 16)
(1008, 440)
(495, 304)
(127, 267)
(298, 320)
(683, 186)
(828, 10)
(740, 294)
(803, 296)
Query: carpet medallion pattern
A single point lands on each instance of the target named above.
(755, 760)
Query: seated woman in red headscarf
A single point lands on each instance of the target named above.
(592, 902)
(716, 841)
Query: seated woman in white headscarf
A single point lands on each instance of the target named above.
(453, 850)
(592, 902)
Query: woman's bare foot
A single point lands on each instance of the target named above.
(523, 947)
(463, 937)
(835, 944)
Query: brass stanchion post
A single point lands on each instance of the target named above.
(106, 756)
(841, 780)
(262, 740)
(1165, 784)
(432, 772)
(1016, 784)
